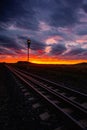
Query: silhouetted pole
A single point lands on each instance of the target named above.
(28, 43)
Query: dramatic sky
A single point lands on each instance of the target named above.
(57, 29)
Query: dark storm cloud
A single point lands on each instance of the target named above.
(4, 51)
(8, 42)
(35, 45)
(27, 14)
(64, 17)
(27, 23)
(10, 9)
(65, 13)
(15, 12)
(23, 37)
(57, 49)
(85, 7)
(81, 27)
(76, 51)
(24, 14)
(16, 16)
(82, 31)
(2, 28)
(73, 3)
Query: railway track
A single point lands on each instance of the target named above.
(71, 104)
(77, 97)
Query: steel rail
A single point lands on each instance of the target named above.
(71, 101)
(51, 102)
(57, 84)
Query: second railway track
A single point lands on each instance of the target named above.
(71, 104)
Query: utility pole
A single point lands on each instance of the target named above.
(28, 45)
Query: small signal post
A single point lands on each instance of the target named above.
(28, 45)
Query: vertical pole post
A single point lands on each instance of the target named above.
(28, 55)
(28, 43)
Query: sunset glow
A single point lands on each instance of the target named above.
(57, 30)
(46, 60)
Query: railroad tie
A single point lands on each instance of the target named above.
(44, 116)
(84, 105)
(36, 105)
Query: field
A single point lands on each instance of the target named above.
(72, 76)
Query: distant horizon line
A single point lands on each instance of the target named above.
(49, 63)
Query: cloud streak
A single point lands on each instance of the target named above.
(56, 28)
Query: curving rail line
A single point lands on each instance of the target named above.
(71, 104)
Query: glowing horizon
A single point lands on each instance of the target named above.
(43, 60)
(57, 30)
